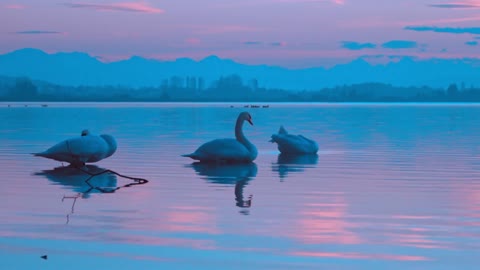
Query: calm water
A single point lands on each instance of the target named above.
(393, 187)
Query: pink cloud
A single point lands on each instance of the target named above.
(39, 32)
(372, 23)
(129, 6)
(193, 41)
(14, 6)
(279, 44)
(462, 4)
(437, 21)
(336, 2)
(221, 29)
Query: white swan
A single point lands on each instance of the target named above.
(293, 144)
(80, 150)
(228, 150)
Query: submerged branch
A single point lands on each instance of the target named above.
(136, 181)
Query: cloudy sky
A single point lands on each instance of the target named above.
(290, 33)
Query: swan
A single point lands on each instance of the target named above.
(293, 144)
(77, 151)
(237, 150)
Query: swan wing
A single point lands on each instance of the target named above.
(309, 141)
(59, 152)
(81, 149)
(88, 148)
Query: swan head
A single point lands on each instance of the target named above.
(85, 132)
(112, 144)
(245, 116)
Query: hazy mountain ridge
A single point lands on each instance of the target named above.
(82, 69)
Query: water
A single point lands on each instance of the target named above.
(393, 187)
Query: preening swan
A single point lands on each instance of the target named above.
(80, 150)
(293, 144)
(228, 150)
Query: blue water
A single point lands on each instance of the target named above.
(393, 187)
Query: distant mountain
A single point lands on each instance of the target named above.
(82, 69)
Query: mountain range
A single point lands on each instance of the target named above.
(82, 69)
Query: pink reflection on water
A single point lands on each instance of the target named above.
(191, 219)
(403, 197)
(360, 256)
(416, 239)
(326, 223)
(470, 199)
(412, 217)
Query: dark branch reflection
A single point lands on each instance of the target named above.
(229, 174)
(87, 180)
(293, 163)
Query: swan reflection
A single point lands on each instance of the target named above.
(80, 180)
(288, 163)
(86, 180)
(229, 174)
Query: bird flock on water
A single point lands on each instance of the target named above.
(90, 148)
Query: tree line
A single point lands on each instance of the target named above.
(230, 88)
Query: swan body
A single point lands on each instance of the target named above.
(238, 150)
(293, 144)
(87, 148)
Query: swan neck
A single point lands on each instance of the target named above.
(112, 144)
(243, 140)
(239, 132)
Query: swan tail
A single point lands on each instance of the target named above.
(282, 130)
(41, 154)
(192, 156)
(275, 137)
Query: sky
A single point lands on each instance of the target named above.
(288, 33)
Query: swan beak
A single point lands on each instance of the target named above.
(250, 121)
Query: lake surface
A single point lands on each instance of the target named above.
(393, 187)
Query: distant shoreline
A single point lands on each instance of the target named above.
(236, 104)
(230, 89)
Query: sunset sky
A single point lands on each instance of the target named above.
(290, 33)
